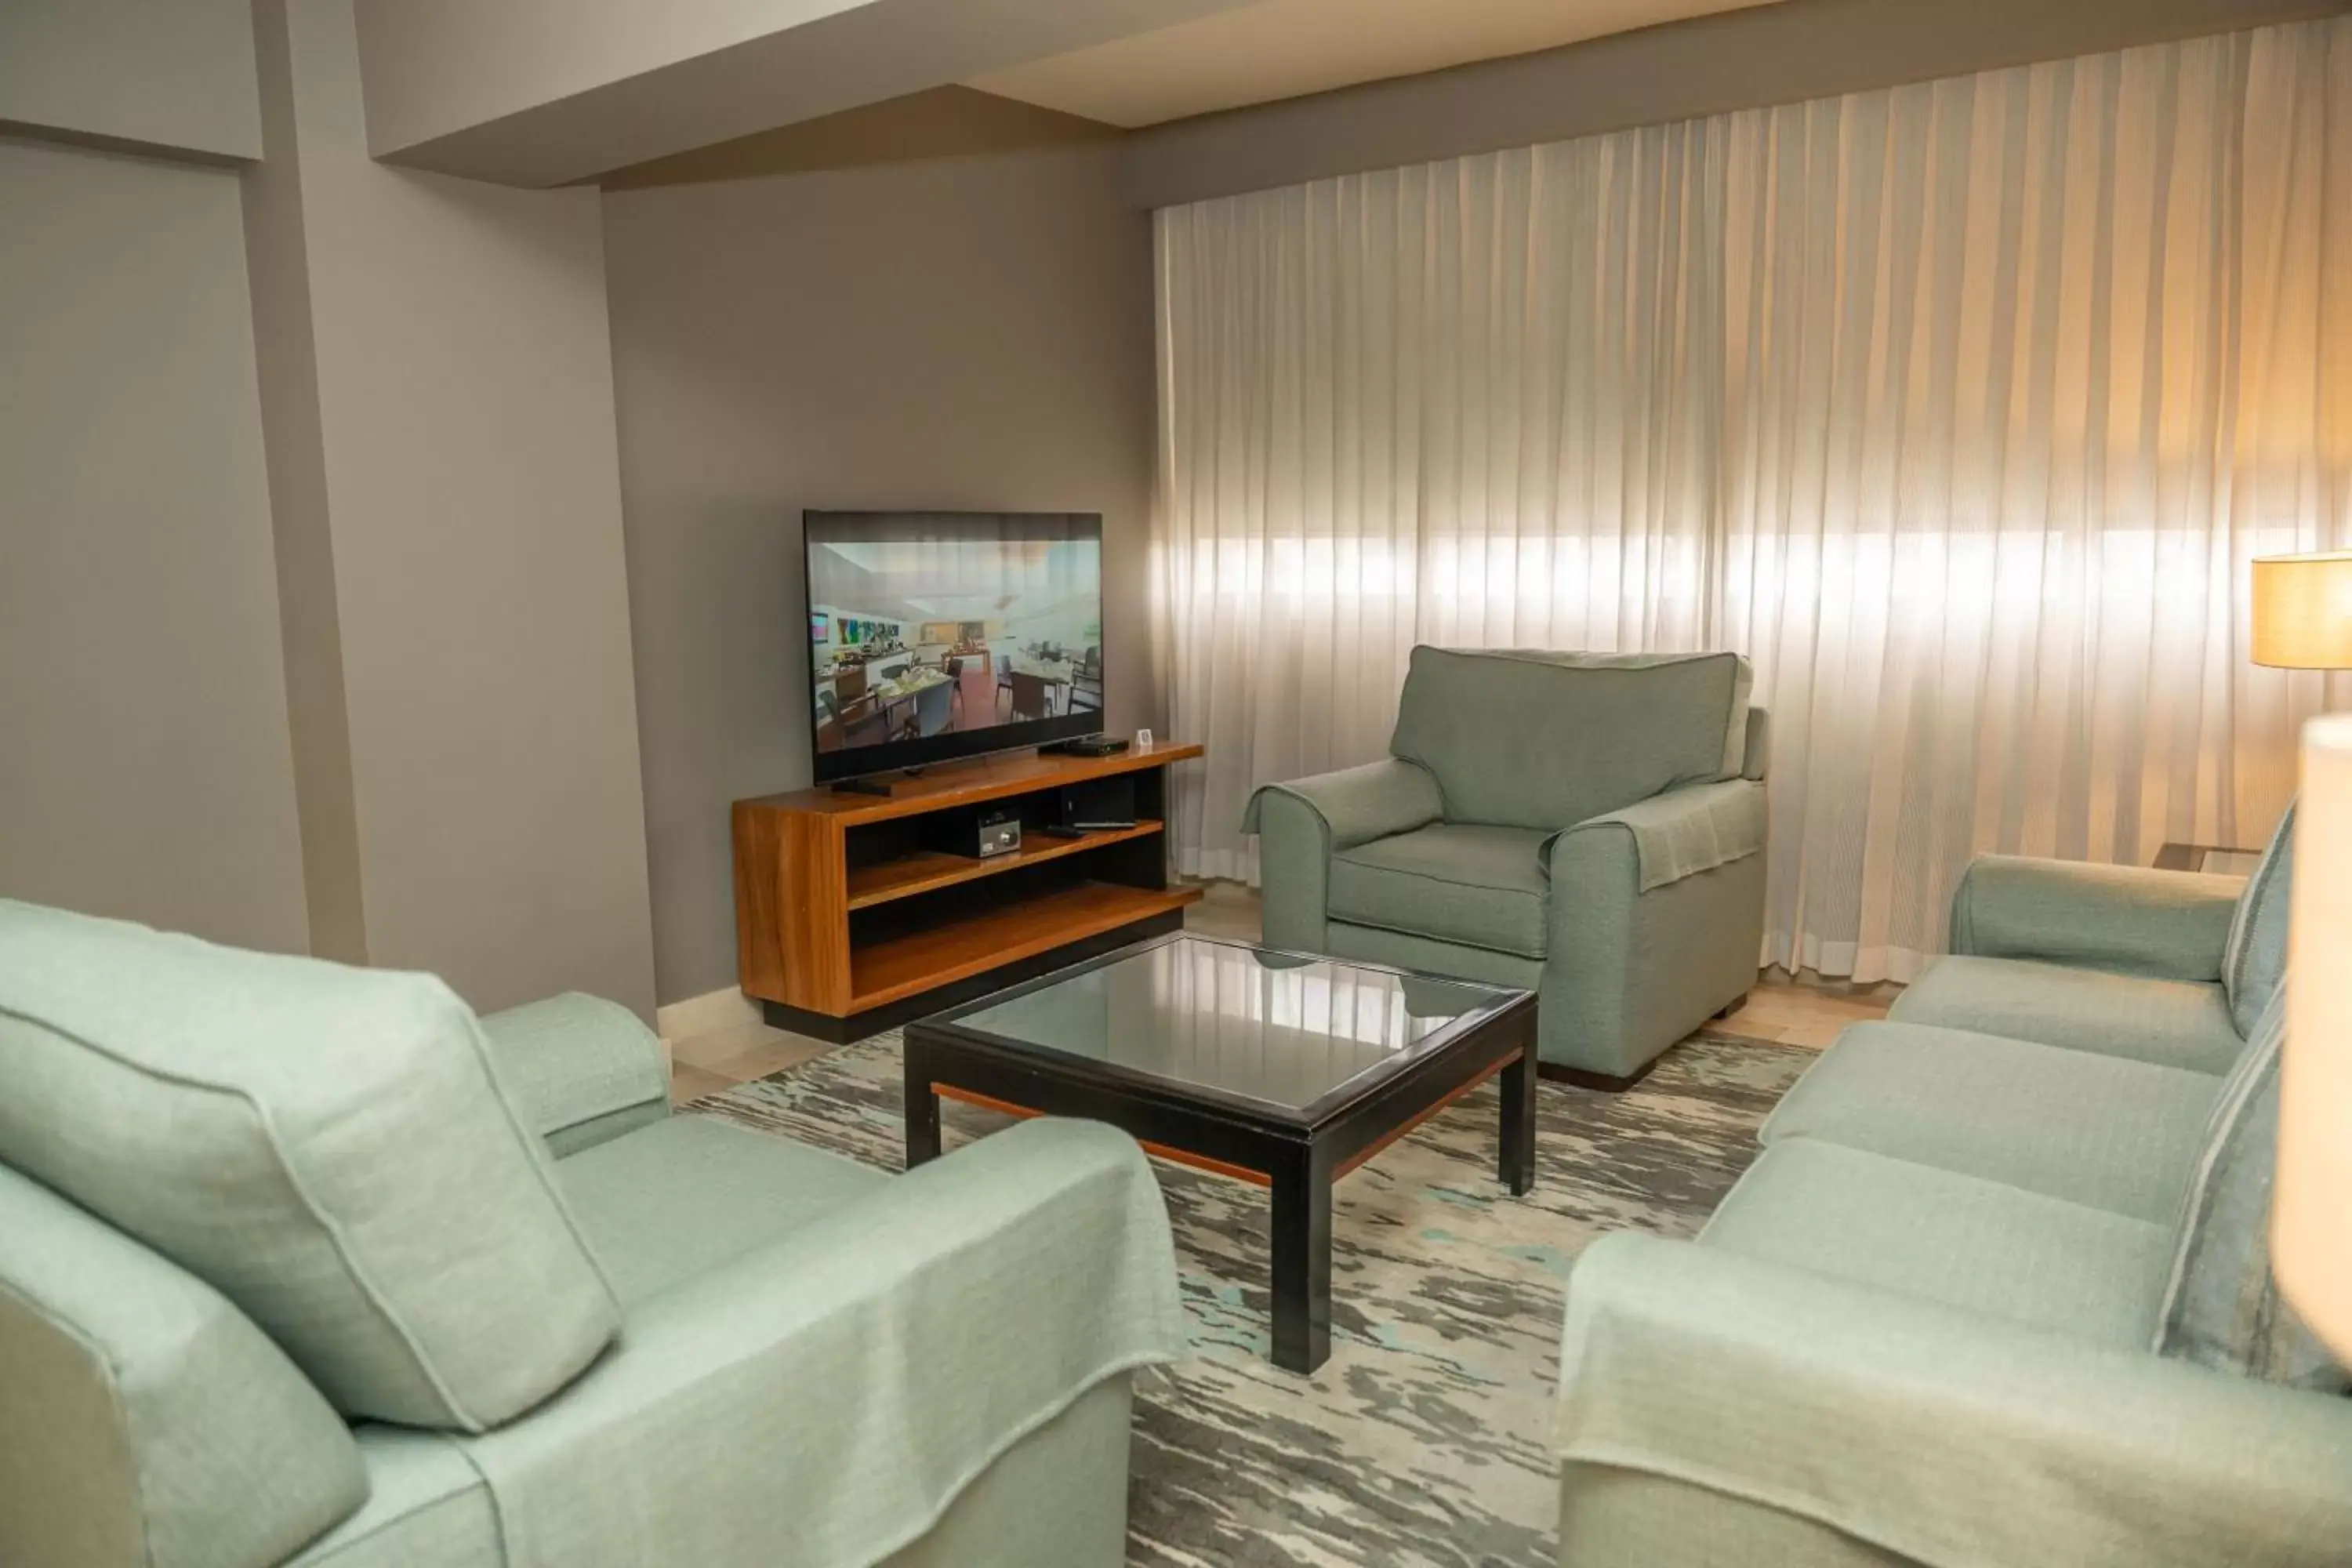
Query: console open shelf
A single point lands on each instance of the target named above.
(850, 918)
(927, 870)
(923, 960)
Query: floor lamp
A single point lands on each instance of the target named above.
(2303, 620)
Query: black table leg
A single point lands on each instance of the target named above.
(1515, 1166)
(922, 1108)
(1302, 1260)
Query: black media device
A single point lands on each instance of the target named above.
(977, 832)
(1088, 746)
(1094, 804)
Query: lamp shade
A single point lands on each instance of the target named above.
(2311, 1205)
(2302, 610)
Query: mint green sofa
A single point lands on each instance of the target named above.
(1920, 1330)
(1588, 826)
(290, 1273)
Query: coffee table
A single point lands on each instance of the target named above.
(1284, 1070)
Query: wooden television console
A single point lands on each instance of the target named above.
(846, 922)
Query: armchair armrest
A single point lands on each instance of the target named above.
(824, 1398)
(1355, 805)
(1674, 835)
(2171, 925)
(1943, 1436)
(1300, 823)
(581, 1069)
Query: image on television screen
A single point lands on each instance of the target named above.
(971, 628)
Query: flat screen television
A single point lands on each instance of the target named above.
(938, 634)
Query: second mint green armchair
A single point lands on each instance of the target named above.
(1589, 826)
(305, 1266)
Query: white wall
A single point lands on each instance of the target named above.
(144, 762)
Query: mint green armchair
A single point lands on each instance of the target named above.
(289, 1274)
(1589, 826)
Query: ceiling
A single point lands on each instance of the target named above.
(1271, 50)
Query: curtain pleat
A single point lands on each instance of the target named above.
(1959, 407)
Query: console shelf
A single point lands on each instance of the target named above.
(848, 918)
(927, 870)
(902, 966)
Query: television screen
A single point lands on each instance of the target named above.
(938, 635)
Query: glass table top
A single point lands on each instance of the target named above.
(1278, 1029)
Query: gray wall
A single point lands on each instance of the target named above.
(462, 445)
(313, 611)
(549, 92)
(1772, 54)
(967, 333)
(174, 74)
(144, 768)
(309, 624)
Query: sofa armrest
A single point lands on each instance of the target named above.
(1943, 1435)
(1756, 757)
(581, 1069)
(825, 1397)
(2171, 925)
(1358, 804)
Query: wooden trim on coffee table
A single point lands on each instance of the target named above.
(1159, 1151)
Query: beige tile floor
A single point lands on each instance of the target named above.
(1798, 1010)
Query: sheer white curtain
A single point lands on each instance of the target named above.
(1958, 407)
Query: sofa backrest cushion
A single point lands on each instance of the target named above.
(327, 1147)
(2221, 1304)
(1539, 738)
(150, 1423)
(2253, 964)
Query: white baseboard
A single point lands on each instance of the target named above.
(706, 1015)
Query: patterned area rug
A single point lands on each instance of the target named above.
(1425, 1439)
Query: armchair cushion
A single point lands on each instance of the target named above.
(2172, 1023)
(2103, 1131)
(2253, 962)
(1480, 886)
(2130, 919)
(1944, 1435)
(878, 1356)
(327, 1147)
(1531, 738)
